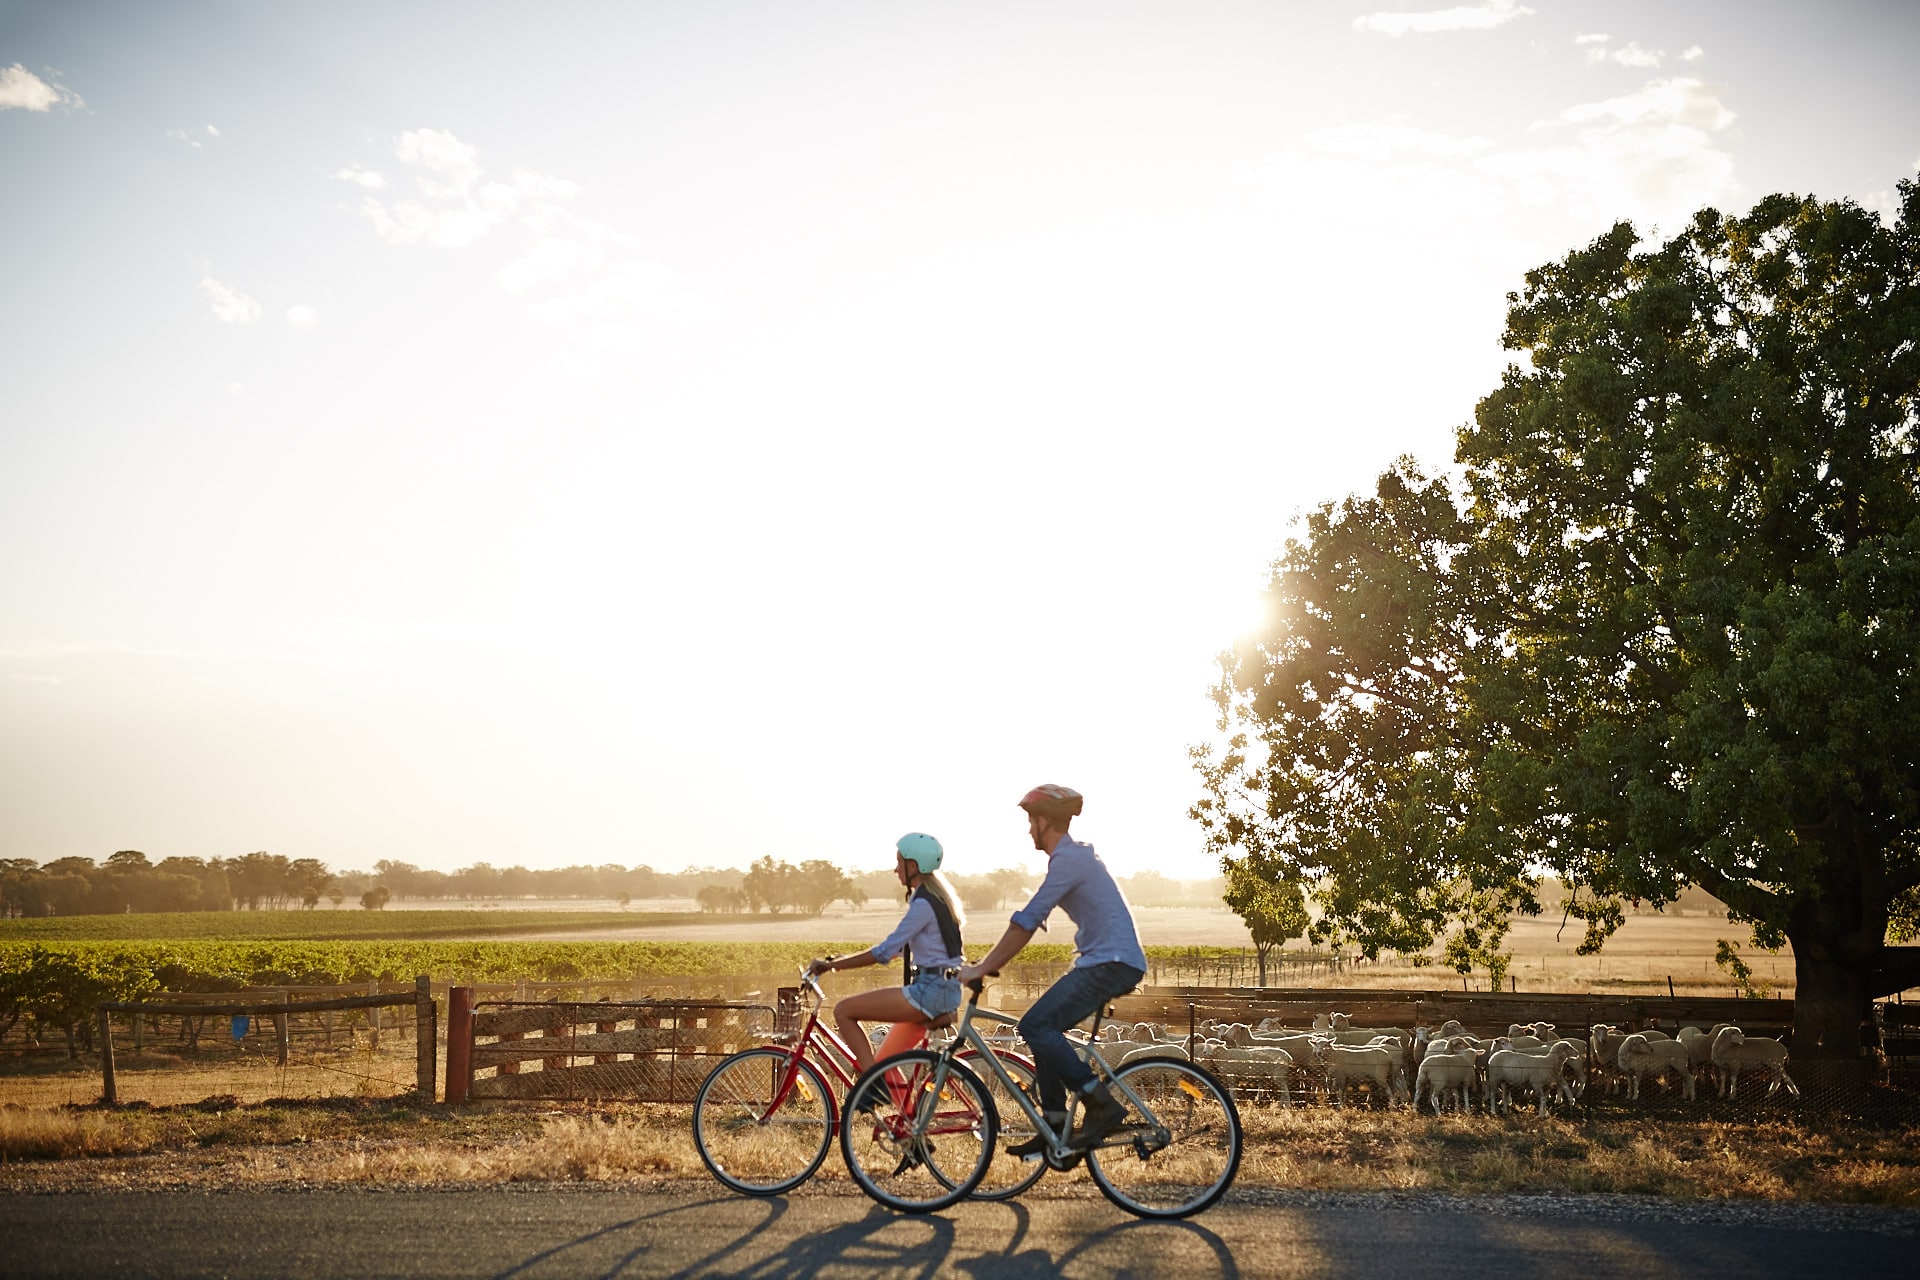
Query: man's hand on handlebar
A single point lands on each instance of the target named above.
(974, 977)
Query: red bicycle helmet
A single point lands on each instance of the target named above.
(1050, 800)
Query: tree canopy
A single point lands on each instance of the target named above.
(1656, 628)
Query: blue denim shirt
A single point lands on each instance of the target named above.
(1079, 883)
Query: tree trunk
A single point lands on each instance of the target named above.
(1838, 930)
(1830, 1001)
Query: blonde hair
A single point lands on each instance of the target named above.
(937, 884)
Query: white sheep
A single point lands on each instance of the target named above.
(1444, 1075)
(1640, 1057)
(1514, 1069)
(1699, 1043)
(1734, 1052)
(1374, 1064)
(1604, 1040)
(1252, 1070)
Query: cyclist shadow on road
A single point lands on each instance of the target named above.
(997, 1244)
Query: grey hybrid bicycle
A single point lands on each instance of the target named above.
(921, 1128)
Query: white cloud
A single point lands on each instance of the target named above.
(1653, 156)
(361, 177)
(1629, 55)
(235, 388)
(302, 316)
(577, 276)
(1692, 53)
(230, 306)
(181, 135)
(410, 222)
(439, 153)
(212, 132)
(454, 208)
(1480, 17)
(1596, 37)
(1679, 101)
(20, 88)
(38, 679)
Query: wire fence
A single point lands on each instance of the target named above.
(186, 1055)
(655, 1038)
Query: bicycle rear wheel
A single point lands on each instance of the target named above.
(918, 1131)
(1008, 1175)
(1180, 1159)
(749, 1143)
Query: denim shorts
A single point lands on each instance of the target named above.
(933, 993)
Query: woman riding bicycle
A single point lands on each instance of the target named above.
(930, 935)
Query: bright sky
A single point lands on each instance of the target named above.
(677, 432)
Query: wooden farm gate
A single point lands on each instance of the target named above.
(639, 1051)
(276, 1008)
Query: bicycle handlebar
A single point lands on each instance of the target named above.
(979, 985)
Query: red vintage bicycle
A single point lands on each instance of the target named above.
(765, 1118)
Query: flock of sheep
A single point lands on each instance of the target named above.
(1451, 1067)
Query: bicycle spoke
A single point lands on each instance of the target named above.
(752, 1139)
(1180, 1158)
(914, 1145)
(1008, 1175)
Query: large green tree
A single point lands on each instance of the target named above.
(1657, 627)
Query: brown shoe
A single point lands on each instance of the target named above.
(1100, 1114)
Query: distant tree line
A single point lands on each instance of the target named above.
(129, 881)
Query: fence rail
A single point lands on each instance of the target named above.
(654, 1038)
(280, 1011)
(642, 1051)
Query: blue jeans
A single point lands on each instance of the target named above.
(1071, 1000)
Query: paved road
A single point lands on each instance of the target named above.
(539, 1232)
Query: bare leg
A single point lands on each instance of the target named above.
(883, 1005)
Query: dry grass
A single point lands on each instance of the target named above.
(1673, 1158)
(349, 1142)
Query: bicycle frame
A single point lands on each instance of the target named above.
(1059, 1154)
(822, 1047)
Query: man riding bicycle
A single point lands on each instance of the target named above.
(1108, 963)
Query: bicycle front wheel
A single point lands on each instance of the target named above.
(1180, 1158)
(757, 1134)
(918, 1131)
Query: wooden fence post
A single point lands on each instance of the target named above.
(459, 1044)
(280, 1030)
(108, 1091)
(426, 1037)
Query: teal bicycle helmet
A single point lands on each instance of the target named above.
(922, 850)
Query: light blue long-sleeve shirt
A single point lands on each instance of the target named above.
(1079, 883)
(921, 928)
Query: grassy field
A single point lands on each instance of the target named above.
(1647, 953)
(351, 926)
(388, 1144)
